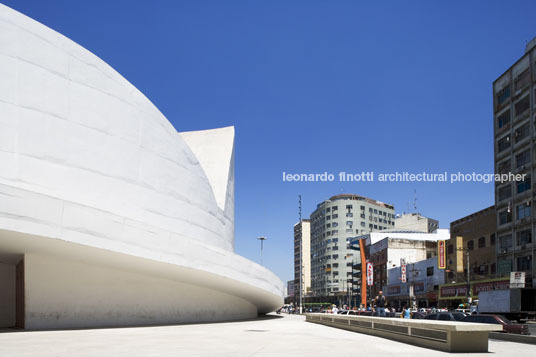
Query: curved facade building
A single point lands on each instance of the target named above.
(108, 216)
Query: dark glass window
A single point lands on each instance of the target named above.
(524, 263)
(522, 132)
(471, 245)
(503, 143)
(523, 211)
(524, 237)
(523, 158)
(524, 185)
(522, 105)
(505, 192)
(503, 119)
(504, 167)
(481, 242)
(503, 95)
(522, 80)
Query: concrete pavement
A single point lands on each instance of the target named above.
(277, 335)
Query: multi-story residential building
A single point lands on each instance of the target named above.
(333, 223)
(473, 235)
(514, 132)
(416, 222)
(302, 237)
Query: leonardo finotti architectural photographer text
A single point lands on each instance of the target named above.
(370, 176)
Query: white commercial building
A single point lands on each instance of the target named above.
(108, 216)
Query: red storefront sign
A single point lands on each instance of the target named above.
(441, 255)
(370, 274)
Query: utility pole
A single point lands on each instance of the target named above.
(468, 279)
(301, 252)
(262, 239)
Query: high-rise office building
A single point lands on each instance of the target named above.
(333, 223)
(514, 134)
(302, 236)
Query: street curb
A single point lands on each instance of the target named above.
(512, 337)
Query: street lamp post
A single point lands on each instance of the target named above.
(262, 239)
(301, 258)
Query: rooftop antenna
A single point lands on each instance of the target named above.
(415, 200)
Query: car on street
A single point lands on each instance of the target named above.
(508, 326)
(418, 315)
(446, 316)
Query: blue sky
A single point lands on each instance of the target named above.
(316, 86)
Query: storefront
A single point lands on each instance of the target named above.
(451, 295)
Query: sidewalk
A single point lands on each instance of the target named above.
(277, 335)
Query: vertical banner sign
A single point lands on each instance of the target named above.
(441, 255)
(370, 274)
(403, 273)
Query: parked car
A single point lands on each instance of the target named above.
(446, 316)
(349, 312)
(508, 326)
(365, 313)
(418, 315)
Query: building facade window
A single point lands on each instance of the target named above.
(471, 245)
(505, 192)
(522, 80)
(524, 263)
(492, 239)
(522, 132)
(505, 217)
(482, 242)
(503, 143)
(503, 95)
(523, 211)
(503, 119)
(524, 237)
(504, 167)
(505, 241)
(524, 185)
(522, 105)
(523, 158)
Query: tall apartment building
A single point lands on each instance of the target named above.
(514, 138)
(333, 223)
(416, 222)
(473, 234)
(302, 236)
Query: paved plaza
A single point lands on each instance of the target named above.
(272, 336)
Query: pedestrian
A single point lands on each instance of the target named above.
(406, 312)
(381, 302)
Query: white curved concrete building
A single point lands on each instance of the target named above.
(108, 216)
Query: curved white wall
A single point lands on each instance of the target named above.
(71, 127)
(93, 176)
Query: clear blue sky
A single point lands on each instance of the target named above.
(314, 86)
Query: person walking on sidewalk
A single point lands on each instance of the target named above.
(381, 302)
